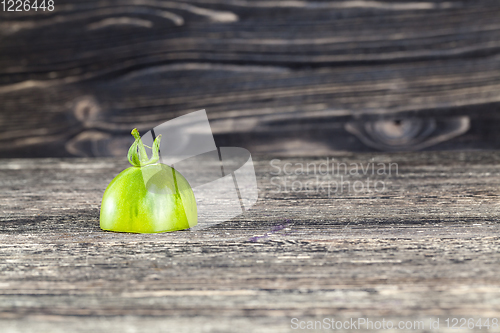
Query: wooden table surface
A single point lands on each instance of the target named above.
(425, 247)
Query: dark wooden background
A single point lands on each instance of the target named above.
(288, 77)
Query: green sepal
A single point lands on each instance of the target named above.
(137, 155)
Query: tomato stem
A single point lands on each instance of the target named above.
(137, 155)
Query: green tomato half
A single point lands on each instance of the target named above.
(148, 198)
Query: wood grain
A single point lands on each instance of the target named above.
(425, 247)
(274, 76)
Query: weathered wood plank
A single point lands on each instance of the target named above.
(426, 246)
(267, 72)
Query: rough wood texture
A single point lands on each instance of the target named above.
(275, 76)
(426, 247)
